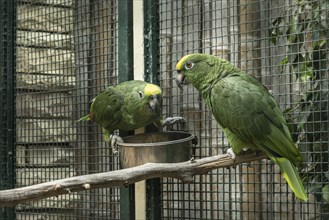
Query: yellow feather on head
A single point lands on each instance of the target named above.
(151, 89)
(179, 65)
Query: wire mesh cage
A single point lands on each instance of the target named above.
(65, 56)
(277, 42)
(57, 55)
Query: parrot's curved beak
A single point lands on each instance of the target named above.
(153, 104)
(181, 80)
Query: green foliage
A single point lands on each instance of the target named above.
(303, 27)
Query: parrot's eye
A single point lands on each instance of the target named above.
(189, 65)
(141, 95)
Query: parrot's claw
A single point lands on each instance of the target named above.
(172, 120)
(231, 153)
(114, 139)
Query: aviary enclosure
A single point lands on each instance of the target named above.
(56, 55)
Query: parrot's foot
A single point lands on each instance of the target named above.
(172, 120)
(231, 153)
(114, 139)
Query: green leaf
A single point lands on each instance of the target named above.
(327, 174)
(325, 193)
(313, 188)
(284, 61)
(322, 42)
(306, 72)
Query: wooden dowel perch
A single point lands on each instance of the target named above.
(183, 171)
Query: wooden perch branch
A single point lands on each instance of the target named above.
(183, 171)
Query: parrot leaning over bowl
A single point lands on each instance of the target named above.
(127, 106)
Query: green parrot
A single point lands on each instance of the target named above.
(127, 106)
(248, 114)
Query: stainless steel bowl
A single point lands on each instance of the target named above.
(159, 147)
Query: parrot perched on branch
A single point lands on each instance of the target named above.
(128, 106)
(248, 114)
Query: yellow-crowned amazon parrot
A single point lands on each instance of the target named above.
(248, 114)
(128, 106)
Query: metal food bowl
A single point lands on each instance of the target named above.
(159, 147)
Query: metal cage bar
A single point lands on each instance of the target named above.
(151, 74)
(125, 73)
(7, 100)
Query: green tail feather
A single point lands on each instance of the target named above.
(291, 175)
(85, 118)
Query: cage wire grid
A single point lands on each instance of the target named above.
(67, 52)
(242, 32)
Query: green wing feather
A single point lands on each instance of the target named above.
(251, 118)
(106, 108)
(246, 108)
